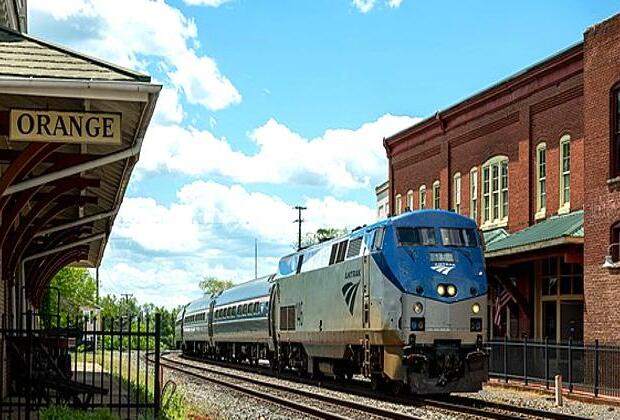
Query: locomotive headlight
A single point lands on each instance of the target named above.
(418, 307)
(475, 308)
(451, 290)
(441, 290)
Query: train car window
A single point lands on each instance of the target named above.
(229, 311)
(458, 237)
(415, 236)
(245, 309)
(354, 247)
(256, 307)
(377, 242)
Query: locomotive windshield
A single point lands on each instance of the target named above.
(408, 236)
(458, 237)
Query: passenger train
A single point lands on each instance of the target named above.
(402, 302)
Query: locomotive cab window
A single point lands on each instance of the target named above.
(415, 236)
(458, 237)
(377, 243)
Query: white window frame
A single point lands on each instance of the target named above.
(410, 200)
(473, 193)
(541, 182)
(398, 204)
(436, 195)
(564, 202)
(457, 193)
(495, 195)
(422, 197)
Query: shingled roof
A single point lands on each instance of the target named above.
(22, 55)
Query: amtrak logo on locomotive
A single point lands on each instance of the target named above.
(349, 290)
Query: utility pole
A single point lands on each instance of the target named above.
(299, 221)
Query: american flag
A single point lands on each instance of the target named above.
(501, 301)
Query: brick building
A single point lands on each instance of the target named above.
(535, 159)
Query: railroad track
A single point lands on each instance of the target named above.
(466, 406)
(305, 402)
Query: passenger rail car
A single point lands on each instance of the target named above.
(402, 301)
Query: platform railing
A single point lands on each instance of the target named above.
(82, 363)
(585, 367)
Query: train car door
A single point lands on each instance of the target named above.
(210, 319)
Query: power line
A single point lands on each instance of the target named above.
(299, 221)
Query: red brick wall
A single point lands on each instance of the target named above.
(602, 204)
(509, 128)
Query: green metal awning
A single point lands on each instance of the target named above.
(556, 230)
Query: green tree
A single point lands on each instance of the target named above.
(76, 288)
(211, 285)
(321, 235)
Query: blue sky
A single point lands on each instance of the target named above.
(267, 104)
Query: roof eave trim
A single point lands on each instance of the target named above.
(564, 240)
(72, 88)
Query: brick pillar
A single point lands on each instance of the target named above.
(601, 200)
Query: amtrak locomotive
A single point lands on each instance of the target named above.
(402, 302)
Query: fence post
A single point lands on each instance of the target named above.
(525, 360)
(596, 362)
(570, 364)
(28, 363)
(157, 365)
(547, 362)
(506, 359)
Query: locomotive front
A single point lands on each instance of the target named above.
(437, 259)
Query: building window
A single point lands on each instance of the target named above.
(541, 180)
(495, 191)
(473, 193)
(564, 174)
(436, 195)
(457, 192)
(422, 197)
(409, 200)
(398, 204)
(615, 135)
(615, 239)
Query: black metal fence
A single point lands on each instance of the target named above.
(590, 368)
(84, 363)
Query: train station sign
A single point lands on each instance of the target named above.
(64, 127)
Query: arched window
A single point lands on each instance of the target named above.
(541, 180)
(615, 132)
(564, 174)
(436, 194)
(473, 193)
(422, 197)
(409, 200)
(398, 204)
(457, 193)
(495, 191)
(615, 239)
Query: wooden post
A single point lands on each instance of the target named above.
(558, 390)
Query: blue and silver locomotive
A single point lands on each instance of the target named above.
(402, 301)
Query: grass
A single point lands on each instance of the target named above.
(174, 405)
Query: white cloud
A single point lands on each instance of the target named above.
(169, 109)
(211, 3)
(339, 158)
(209, 230)
(136, 34)
(366, 6)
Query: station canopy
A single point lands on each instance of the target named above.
(71, 130)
